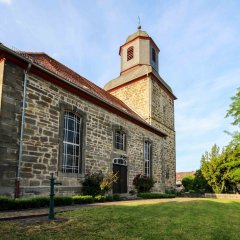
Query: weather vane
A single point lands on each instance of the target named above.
(139, 23)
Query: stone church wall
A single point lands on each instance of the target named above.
(10, 120)
(42, 138)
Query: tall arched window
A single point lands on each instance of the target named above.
(72, 135)
(147, 158)
(153, 55)
(130, 53)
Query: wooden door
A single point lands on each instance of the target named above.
(121, 185)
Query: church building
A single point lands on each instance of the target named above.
(54, 120)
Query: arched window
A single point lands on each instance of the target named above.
(153, 55)
(130, 53)
(147, 158)
(72, 135)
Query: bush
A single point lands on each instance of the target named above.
(91, 184)
(82, 199)
(109, 198)
(6, 203)
(116, 197)
(99, 198)
(170, 191)
(156, 195)
(63, 201)
(143, 183)
(108, 181)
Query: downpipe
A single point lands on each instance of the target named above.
(17, 180)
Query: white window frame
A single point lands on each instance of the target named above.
(120, 140)
(147, 158)
(75, 166)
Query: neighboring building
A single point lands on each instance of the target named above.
(70, 126)
(180, 176)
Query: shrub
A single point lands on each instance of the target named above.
(188, 182)
(116, 197)
(108, 181)
(109, 198)
(170, 191)
(63, 200)
(91, 184)
(156, 195)
(143, 183)
(82, 199)
(99, 198)
(6, 203)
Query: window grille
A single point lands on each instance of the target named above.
(71, 143)
(153, 55)
(120, 140)
(130, 54)
(147, 158)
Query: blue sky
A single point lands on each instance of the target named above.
(199, 58)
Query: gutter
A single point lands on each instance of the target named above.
(17, 182)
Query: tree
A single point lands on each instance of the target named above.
(187, 182)
(234, 110)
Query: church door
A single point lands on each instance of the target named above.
(120, 167)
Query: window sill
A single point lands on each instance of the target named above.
(70, 175)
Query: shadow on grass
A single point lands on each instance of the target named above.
(198, 219)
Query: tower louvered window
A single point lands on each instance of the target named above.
(130, 53)
(71, 143)
(153, 55)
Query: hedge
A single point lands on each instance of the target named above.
(38, 202)
(155, 195)
(26, 203)
(82, 199)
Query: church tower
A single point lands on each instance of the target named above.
(141, 87)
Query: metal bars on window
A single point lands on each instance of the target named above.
(71, 143)
(120, 140)
(147, 158)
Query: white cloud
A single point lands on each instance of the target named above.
(8, 2)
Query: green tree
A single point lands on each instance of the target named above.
(234, 110)
(200, 184)
(187, 182)
(210, 168)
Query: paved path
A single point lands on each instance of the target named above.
(21, 214)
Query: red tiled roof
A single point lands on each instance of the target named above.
(181, 175)
(61, 70)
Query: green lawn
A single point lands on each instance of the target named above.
(201, 219)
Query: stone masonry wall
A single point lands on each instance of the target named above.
(41, 141)
(136, 96)
(10, 119)
(163, 118)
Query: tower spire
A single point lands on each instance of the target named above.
(139, 23)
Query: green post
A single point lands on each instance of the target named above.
(51, 205)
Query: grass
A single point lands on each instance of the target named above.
(199, 219)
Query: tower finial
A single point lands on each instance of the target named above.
(139, 23)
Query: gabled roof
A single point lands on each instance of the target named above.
(54, 66)
(57, 73)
